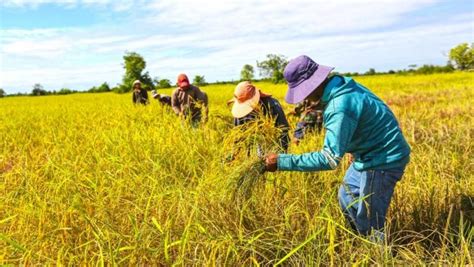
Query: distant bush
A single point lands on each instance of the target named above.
(65, 91)
(101, 89)
(199, 80)
(430, 69)
(162, 84)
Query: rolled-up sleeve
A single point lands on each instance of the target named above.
(339, 130)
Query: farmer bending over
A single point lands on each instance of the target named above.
(356, 122)
(163, 99)
(248, 100)
(188, 99)
(139, 95)
(311, 117)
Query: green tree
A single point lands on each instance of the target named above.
(273, 67)
(247, 73)
(462, 56)
(104, 87)
(162, 83)
(64, 91)
(2, 93)
(134, 64)
(38, 90)
(199, 80)
(371, 71)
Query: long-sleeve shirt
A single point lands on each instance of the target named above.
(356, 122)
(140, 97)
(189, 102)
(164, 99)
(270, 107)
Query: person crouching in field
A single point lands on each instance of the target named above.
(163, 99)
(356, 122)
(139, 95)
(248, 101)
(311, 117)
(188, 100)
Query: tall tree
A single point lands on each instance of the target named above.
(273, 67)
(38, 90)
(462, 56)
(2, 93)
(247, 73)
(134, 64)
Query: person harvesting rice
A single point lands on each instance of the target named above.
(139, 95)
(163, 99)
(188, 99)
(311, 117)
(356, 122)
(248, 101)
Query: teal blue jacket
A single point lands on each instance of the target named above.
(356, 122)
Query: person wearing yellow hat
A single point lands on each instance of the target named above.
(248, 99)
(139, 95)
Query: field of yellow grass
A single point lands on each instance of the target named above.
(90, 179)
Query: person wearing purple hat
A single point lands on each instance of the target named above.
(356, 122)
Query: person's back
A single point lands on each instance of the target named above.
(163, 99)
(376, 140)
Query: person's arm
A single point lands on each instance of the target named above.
(282, 123)
(339, 130)
(134, 97)
(145, 96)
(175, 103)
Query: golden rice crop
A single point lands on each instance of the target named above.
(90, 179)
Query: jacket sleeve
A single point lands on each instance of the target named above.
(175, 103)
(339, 130)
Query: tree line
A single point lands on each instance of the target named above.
(461, 57)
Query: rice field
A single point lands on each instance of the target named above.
(90, 179)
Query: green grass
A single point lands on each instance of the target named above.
(91, 179)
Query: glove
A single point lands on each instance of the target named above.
(271, 162)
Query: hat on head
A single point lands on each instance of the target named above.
(303, 76)
(246, 99)
(183, 81)
(136, 82)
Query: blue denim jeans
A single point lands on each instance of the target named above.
(365, 197)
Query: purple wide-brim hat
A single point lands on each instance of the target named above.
(303, 76)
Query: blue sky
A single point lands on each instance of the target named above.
(80, 43)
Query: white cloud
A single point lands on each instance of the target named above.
(217, 38)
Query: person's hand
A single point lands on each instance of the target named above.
(271, 162)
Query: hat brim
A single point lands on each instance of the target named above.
(300, 92)
(240, 110)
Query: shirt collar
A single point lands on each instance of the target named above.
(335, 81)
